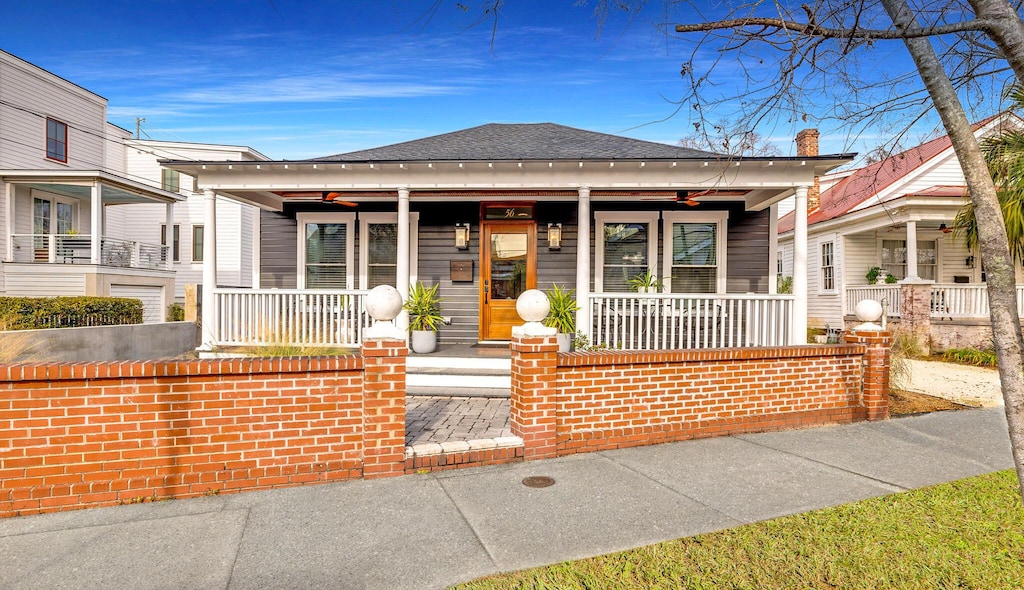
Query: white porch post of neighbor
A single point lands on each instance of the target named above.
(583, 321)
(773, 249)
(96, 221)
(402, 262)
(209, 269)
(799, 335)
(9, 200)
(169, 234)
(912, 251)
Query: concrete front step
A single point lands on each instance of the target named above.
(458, 376)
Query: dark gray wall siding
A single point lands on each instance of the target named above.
(747, 251)
(437, 249)
(278, 252)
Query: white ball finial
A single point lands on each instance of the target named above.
(533, 306)
(384, 303)
(868, 311)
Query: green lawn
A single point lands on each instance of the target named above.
(964, 534)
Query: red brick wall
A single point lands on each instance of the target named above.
(605, 400)
(92, 434)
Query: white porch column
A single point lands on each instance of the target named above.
(169, 234)
(912, 251)
(583, 321)
(799, 335)
(402, 262)
(96, 221)
(773, 249)
(9, 205)
(209, 269)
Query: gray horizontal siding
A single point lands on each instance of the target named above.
(747, 251)
(278, 250)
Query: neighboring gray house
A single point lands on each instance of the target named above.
(490, 211)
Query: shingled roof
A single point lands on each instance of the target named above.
(520, 141)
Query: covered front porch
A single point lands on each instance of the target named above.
(489, 212)
(65, 236)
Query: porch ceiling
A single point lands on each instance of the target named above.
(78, 184)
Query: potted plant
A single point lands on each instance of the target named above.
(645, 282)
(424, 307)
(875, 275)
(562, 315)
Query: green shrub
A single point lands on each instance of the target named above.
(35, 313)
(175, 312)
(972, 356)
(784, 285)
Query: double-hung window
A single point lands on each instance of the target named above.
(627, 246)
(694, 260)
(378, 248)
(325, 252)
(828, 266)
(56, 140)
(170, 180)
(197, 243)
(175, 240)
(894, 258)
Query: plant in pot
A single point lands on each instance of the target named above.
(645, 282)
(562, 315)
(875, 275)
(424, 307)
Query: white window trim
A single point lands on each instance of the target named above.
(366, 219)
(721, 218)
(835, 267)
(602, 218)
(304, 218)
(922, 237)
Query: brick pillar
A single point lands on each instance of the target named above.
(875, 390)
(915, 312)
(532, 407)
(383, 408)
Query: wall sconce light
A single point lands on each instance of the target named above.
(554, 236)
(462, 236)
(969, 262)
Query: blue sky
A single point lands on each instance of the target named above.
(297, 79)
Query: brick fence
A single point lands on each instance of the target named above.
(77, 435)
(580, 402)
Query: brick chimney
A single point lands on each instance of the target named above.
(807, 145)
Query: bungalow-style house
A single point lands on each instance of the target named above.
(238, 223)
(895, 216)
(489, 211)
(64, 187)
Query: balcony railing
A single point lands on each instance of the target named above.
(77, 249)
(889, 294)
(633, 321)
(289, 317)
(966, 301)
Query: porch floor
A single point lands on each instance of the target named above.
(468, 350)
(439, 419)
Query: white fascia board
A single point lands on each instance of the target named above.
(914, 209)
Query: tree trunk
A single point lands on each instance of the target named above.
(1007, 31)
(995, 249)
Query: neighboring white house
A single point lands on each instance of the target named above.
(237, 223)
(63, 186)
(896, 214)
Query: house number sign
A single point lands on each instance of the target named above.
(509, 212)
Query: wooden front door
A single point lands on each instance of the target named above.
(508, 252)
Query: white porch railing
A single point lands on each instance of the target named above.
(966, 301)
(289, 316)
(634, 321)
(887, 293)
(77, 249)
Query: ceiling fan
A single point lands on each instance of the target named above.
(324, 196)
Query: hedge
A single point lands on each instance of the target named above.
(32, 313)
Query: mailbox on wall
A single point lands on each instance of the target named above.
(462, 271)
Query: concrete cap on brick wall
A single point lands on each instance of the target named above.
(533, 306)
(384, 303)
(868, 311)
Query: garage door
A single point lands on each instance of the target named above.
(152, 300)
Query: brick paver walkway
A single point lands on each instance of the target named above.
(438, 419)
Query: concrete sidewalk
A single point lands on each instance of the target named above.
(430, 531)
